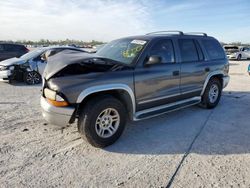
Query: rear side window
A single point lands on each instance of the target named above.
(164, 49)
(188, 50)
(214, 49)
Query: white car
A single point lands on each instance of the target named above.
(30, 66)
(237, 52)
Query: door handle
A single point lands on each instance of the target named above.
(207, 69)
(176, 73)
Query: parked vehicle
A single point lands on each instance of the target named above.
(9, 50)
(136, 77)
(237, 52)
(30, 66)
(248, 70)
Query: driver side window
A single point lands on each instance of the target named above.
(164, 49)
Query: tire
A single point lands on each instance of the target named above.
(212, 94)
(94, 123)
(32, 77)
(239, 57)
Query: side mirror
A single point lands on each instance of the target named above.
(153, 60)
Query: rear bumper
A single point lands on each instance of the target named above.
(225, 81)
(59, 116)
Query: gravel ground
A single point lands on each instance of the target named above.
(192, 147)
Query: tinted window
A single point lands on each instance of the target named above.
(14, 48)
(188, 50)
(9, 47)
(20, 47)
(214, 49)
(1, 47)
(164, 49)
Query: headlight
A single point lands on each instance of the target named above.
(3, 68)
(54, 99)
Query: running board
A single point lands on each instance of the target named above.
(152, 112)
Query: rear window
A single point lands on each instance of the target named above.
(214, 49)
(188, 50)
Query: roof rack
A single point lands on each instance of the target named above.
(159, 32)
(197, 33)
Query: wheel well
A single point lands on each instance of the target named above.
(119, 94)
(219, 77)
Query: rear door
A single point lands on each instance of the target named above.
(246, 52)
(193, 67)
(157, 84)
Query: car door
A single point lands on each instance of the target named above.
(159, 83)
(38, 64)
(193, 67)
(246, 52)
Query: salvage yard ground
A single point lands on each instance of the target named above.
(192, 147)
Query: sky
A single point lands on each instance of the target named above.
(105, 20)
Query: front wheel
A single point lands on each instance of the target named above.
(212, 94)
(32, 77)
(102, 121)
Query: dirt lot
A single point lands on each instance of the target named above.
(188, 148)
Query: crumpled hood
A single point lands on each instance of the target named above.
(12, 61)
(61, 60)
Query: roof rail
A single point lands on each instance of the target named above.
(197, 33)
(159, 32)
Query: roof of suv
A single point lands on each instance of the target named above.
(160, 34)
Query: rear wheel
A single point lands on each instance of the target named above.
(102, 121)
(32, 77)
(212, 94)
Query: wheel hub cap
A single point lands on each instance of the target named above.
(107, 123)
(213, 93)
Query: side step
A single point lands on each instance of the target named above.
(152, 112)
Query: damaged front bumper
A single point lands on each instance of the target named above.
(59, 116)
(5, 75)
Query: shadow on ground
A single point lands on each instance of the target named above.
(226, 130)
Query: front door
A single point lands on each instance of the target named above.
(158, 84)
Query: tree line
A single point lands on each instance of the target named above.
(46, 42)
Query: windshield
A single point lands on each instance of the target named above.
(122, 50)
(32, 54)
